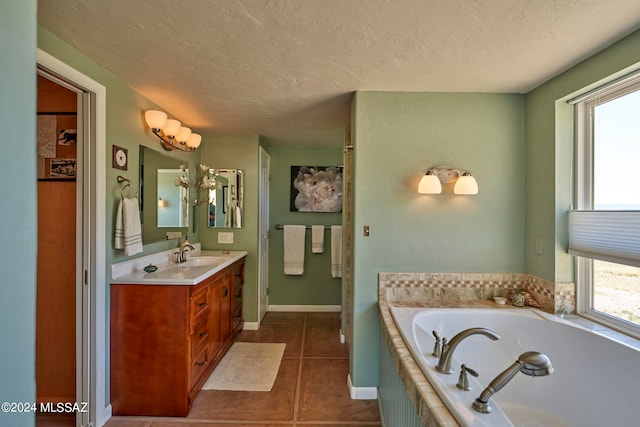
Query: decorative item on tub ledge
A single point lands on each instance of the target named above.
(171, 133)
(431, 182)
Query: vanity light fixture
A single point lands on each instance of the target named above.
(431, 182)
(162, 203)
(170, 132)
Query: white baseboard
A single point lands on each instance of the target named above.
(105, 416)
(361, 393)
(251, 326)
(307, 308)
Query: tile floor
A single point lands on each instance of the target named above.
(310, 389)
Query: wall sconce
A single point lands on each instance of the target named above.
(431, 182)
(171, 132)
(162, 203)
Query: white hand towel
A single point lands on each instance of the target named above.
(336, 251)
(128, 231)
(294, 236)
(238, 217)
(317, 239)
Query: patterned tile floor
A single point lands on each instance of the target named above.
(310, 389)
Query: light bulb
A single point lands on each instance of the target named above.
(430, 184)
(194, 140)
(466, 184)
(183, 135)
(155, 119)
(171, 128)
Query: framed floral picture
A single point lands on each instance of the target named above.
(316, 189)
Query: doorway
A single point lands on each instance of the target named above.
(57, 284)
(90, 239)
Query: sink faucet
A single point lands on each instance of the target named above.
(181, 255)
(530, 363)
(444, 364)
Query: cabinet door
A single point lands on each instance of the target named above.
(215, 335)
(226, 299)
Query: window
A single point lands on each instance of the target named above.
(604, 230)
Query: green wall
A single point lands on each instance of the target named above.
(397, 136)
(126, 128)
(18, 208)
(549, 138)
(315, 286)
(236, 152)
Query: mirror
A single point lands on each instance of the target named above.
(173, 198)
(226, 195)
(164, 196)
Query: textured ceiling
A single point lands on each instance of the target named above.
(286, 69)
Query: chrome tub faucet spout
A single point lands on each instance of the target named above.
(530, 363)
(444, 364)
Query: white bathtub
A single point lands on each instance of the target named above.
(596, 381)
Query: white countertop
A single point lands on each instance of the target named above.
(170, 273)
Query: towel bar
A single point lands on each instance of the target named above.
(308, 227)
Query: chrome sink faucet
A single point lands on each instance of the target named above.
(444, 364)
(181, 255)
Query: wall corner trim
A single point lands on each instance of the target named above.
(361, 393)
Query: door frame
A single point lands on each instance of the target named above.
(91, 346)
(263, 233)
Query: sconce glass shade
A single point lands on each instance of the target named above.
(155, 119)
(430, 184)
(466, 184)
(194, 140)
(183, 135)
(171, 128)
(162, 203)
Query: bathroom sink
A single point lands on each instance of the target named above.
(202, 261)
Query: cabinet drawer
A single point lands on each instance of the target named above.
(199, 303)
(200, 336)
(199, 364)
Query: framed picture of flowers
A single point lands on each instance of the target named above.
(316, 189)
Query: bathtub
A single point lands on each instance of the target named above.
(595, 381)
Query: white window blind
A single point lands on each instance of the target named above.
(612, 236)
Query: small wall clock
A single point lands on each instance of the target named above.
(119, 158)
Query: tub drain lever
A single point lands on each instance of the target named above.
(463, 379)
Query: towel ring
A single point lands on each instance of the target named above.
(122, 179)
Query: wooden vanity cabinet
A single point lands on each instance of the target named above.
(167, 339)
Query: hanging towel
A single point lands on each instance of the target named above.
(128, 233)
(317, 239)
(294, 249)
(336, 251)
(238, 217)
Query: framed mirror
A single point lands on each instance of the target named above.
(164, 196)
(173, 198)
(226, 204)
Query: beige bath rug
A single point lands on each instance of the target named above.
(247, 367)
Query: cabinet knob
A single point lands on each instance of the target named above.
(202, 304)
(225, 291)
(203, 334)
(200, 363)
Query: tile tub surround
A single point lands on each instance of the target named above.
(553, 297)
(437, 290)
(431, 410)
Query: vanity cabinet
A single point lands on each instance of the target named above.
(167, 339)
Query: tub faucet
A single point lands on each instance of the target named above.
(444, 364)
(530, 363)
